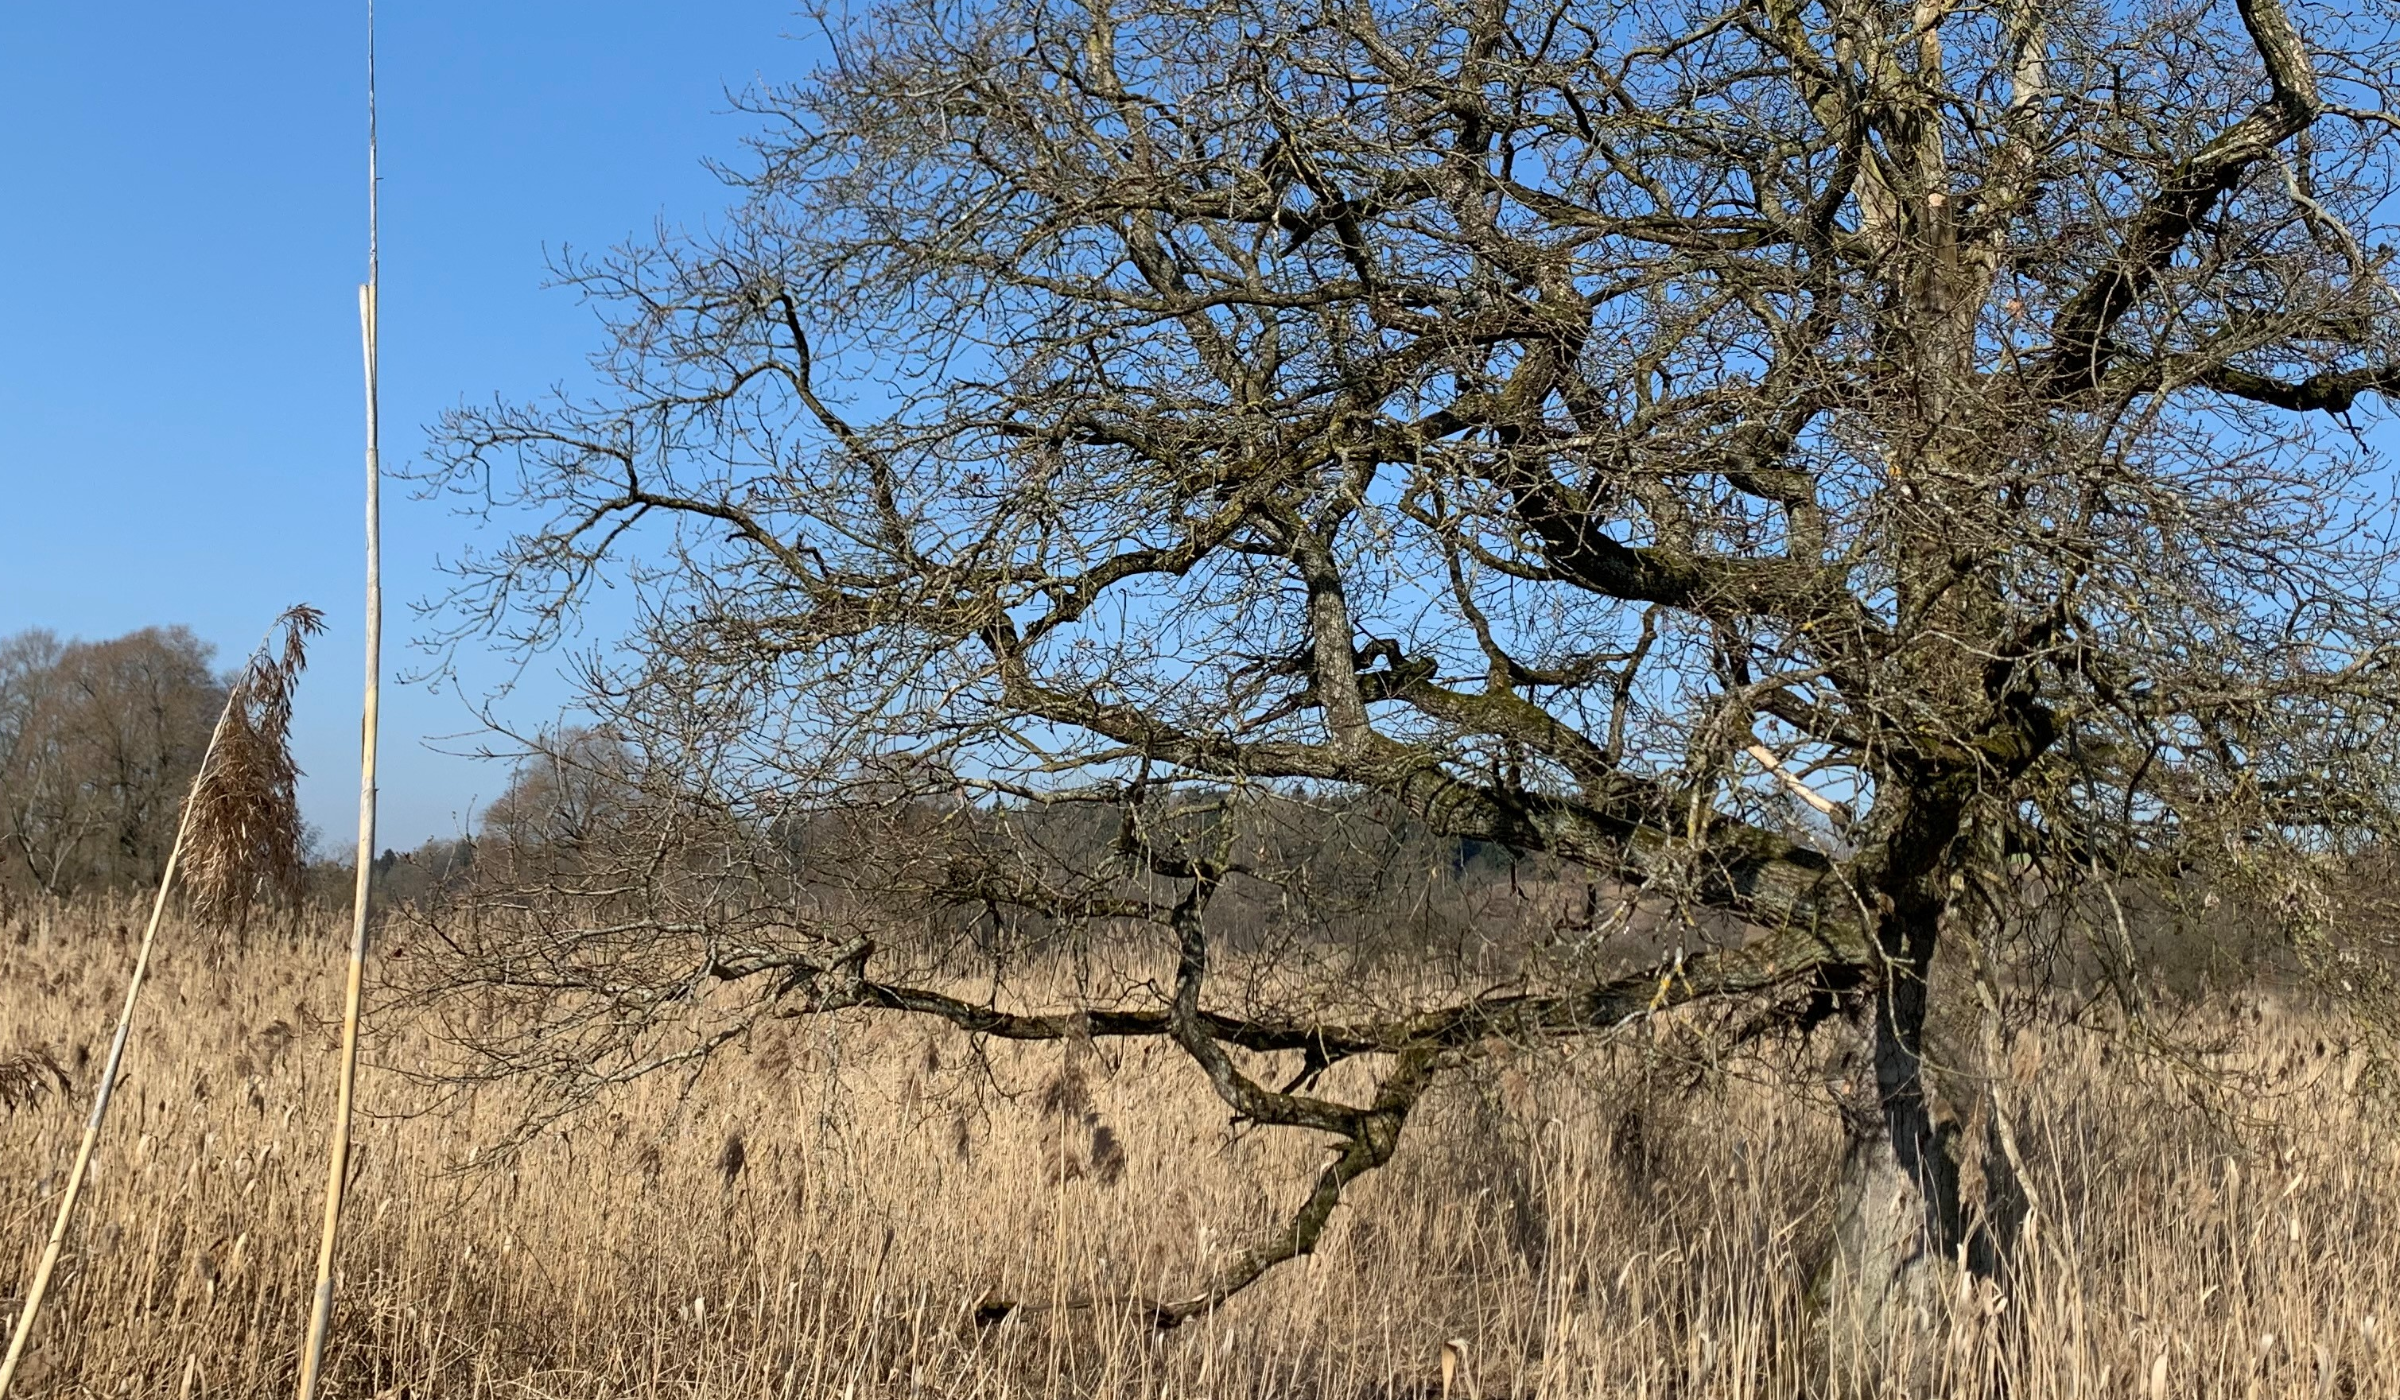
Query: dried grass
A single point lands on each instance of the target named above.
(245, 842)
(29, 1075)
(1567, 1252)
(231, 819)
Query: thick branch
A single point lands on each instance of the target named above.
(2332, 391)
(2079, 336)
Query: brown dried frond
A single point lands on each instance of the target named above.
(245, 840)
(28, 1075)
(1108, 1154)
(1068, 1093)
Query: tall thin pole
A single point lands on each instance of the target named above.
(338, 1158)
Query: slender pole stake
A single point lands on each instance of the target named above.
(338, 1157)
(108, 1071)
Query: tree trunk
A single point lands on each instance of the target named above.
(1901, 1228)
(1897, 1222)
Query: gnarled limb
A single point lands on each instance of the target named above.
(2080, 333)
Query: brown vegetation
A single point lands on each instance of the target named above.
(824, 1213)
(247, 841)
(239, 827)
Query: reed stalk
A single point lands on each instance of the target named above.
(338, 1153)
(108, 1080)
(241, 820)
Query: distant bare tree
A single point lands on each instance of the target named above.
(26, 660)
(571, 790)
(1857, 476)
(98, 742)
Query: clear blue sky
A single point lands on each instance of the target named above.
(182, 226)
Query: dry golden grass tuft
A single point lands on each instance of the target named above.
(824, 1215)
(243, 833)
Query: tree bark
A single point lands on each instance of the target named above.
(1902, 1229)
(1897, 1222)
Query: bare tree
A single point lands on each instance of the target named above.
(571, 789)
(98, 741)
(1861, 472)
(26, 662)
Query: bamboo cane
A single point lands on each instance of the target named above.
(338, 1156)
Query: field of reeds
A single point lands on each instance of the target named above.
(825, 1213)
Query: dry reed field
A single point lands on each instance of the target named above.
(823, 1214)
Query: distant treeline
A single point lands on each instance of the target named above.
(99, 740)
(585, 812)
